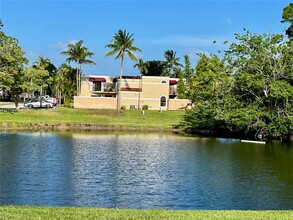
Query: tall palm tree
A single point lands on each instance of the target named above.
(142, 66)
(78, 53)
(121, 44)
(171, 61)
(42, 62)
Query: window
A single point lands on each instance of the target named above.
(97, 86)
(163, 101)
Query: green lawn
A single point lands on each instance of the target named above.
(21, 213)
(59, 116)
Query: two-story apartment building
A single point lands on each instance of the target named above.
(157, 92)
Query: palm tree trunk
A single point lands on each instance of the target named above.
(119, 87)
(77, 70)
(79, 80)
(140, 84)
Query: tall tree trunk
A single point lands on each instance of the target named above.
(79, 79)
(119, 87)
(140, 83)
(77, 89)
(15, 98)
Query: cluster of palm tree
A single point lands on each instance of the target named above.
(121, 44)
(78, 53)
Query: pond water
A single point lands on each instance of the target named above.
(137, 170)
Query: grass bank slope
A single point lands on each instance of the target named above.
(90, 117)
(17, 213)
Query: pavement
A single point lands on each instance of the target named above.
(9, 105)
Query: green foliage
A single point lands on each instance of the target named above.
(121, 44)
(65, 83)
(34, 79)
(252, 95)
(181, 87)
(78, 53)
(171, 62)
(142, 66)
(154, 68)
(210, 81)
(12, 63)
(145, 107)
(287, 16)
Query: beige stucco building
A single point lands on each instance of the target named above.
(157, 92)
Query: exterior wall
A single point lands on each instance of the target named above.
(152, 89)
(179, 104)
(95, 102)
(85, 88)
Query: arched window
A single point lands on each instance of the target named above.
(163, 101)
(163, 81)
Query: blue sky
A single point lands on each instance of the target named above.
(46, 27)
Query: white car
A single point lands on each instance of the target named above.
(38, 103)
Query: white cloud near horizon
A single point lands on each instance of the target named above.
(189, 40)
(228, 21)
(62, 45)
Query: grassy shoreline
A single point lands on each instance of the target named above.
(90, 119)
(27, 212)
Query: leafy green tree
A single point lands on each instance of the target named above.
(262, 69)
(255, 97)
(171, 62)
(185, 79)
(155, 67)
(287, 17)
(209, 81)
(181, 87)
(208, 91)
(188, 70)
(12, 63)
(79, 54)
(121, 44)
(45, 64)
(65, 84)
(34, 79)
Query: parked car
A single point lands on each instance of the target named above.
(53, 100)
(38, 103)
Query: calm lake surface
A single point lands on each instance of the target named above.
(143, 171)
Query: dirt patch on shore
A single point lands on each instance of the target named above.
(81, 127)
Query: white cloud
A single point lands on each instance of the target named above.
(32, 54)
(227, 21)
(188, 41)
(62, 45)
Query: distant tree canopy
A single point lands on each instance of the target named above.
(287, 17)
(154, 68)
